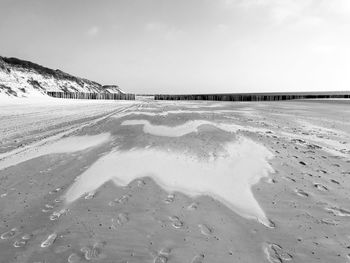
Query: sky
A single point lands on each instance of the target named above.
(186, 46)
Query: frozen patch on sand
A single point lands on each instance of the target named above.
(65, 145)
(227, 178)
(187, 127)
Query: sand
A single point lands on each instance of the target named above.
(174, 181)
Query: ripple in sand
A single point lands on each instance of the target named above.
(9, 234)
(49, 240)
(198, 258)
(205, 230)
(338, 211)
(275, 253)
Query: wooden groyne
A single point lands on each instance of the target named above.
(254, 96)
(91, 96)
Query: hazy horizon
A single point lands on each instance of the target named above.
(186, 46)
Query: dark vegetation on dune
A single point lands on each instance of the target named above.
(30, 66)
(15, 86)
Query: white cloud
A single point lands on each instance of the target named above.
(223, 28)
(310, 12)
(322, 48)
(155, 27)
(93, 31)
(164, 30)
(341, 7)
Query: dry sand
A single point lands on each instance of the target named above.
(175, 182)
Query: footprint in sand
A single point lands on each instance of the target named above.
(162, 256)
(121, 219)
(27, 236)
(271, 224)
(320, 187)
(193, 206)
(198, 258)
(275, 253)
(160, 259)
(328, 221)
(20, 243)
(73, 258)
(92, 252)
(57, 214)
(55, 191)
(170, 198)
(271, 181)
(9, 234)
(289, 178)
(90, 195)
(141, 183)
(47, 208)
(62, 248)
(49, 240)
(335, 181)
(23, 241)
(338, 211)
(205, 230)
(121, 200)
(176, 222)
(301, 193)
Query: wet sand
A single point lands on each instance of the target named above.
(119, 184)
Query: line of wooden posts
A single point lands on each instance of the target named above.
(249, 97)
(91, 96)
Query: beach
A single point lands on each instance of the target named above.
(174, 181)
